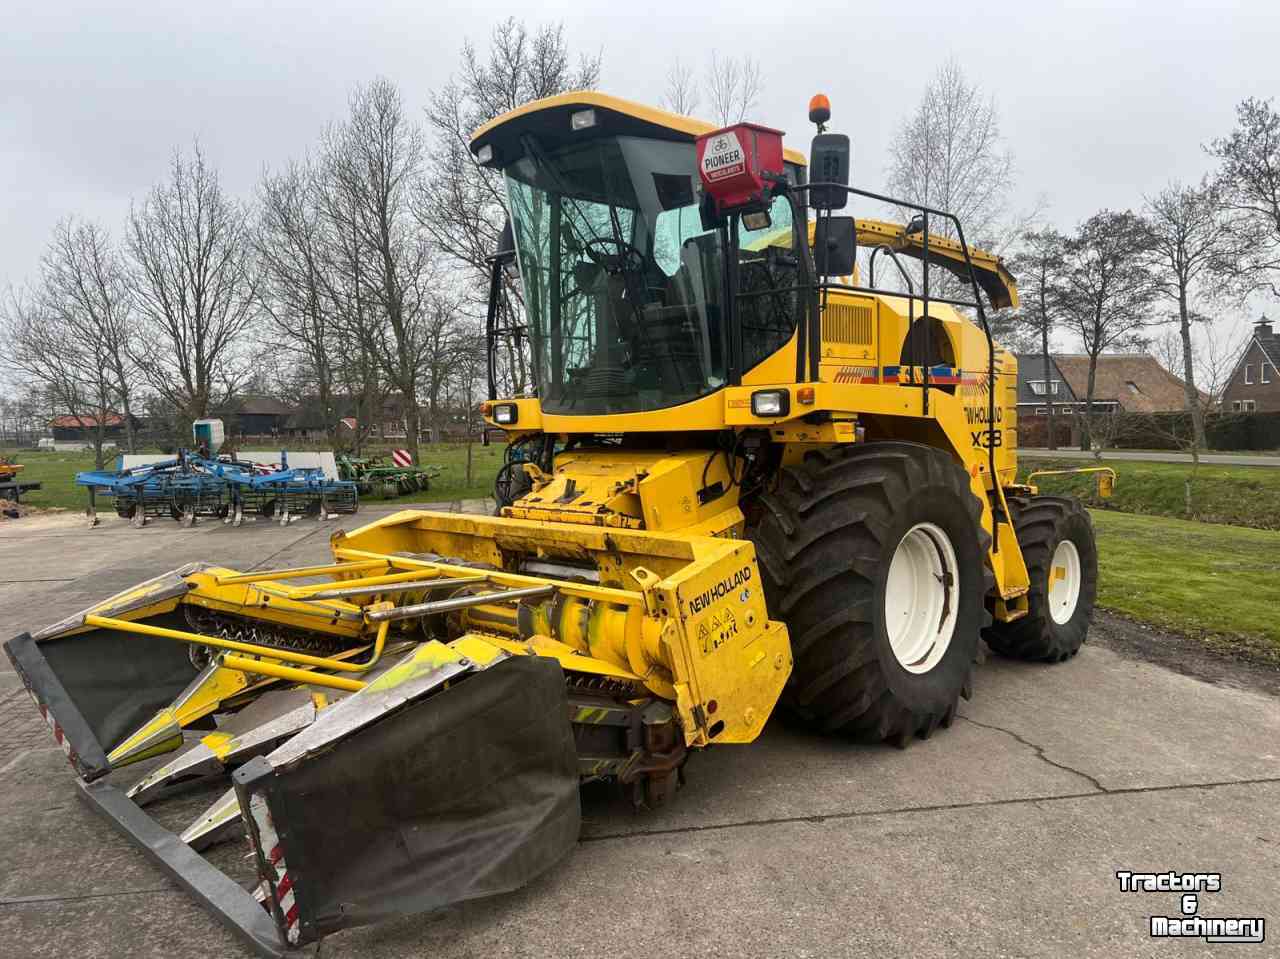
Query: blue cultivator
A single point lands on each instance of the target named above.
(286, 493)
(191, 486)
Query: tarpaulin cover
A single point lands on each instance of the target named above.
(99, 686)
(465, 792)
(118, 681)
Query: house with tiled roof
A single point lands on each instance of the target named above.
(1254, 386)
(70, 428)
(1129, 382)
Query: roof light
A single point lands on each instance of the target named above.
(582, 119)
(484, 155)
(819, 109)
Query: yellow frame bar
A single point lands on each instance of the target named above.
(302, 592)
(1104, 493)
(585, 590)
(276, 671)
(217, 642)
(299, 572)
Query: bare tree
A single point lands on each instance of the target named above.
(85, 288)
(1190, 239)
(681, 95)
(193, 283)
(69, 337)
(1248, 182)
(733, 88)
(949, 154)
(462, 206)
(376, 160)
(295, 293)
(1038, 265)
(1107, 291)
(357, 372)
(47, 353)
(1215, 353)
(467, 385)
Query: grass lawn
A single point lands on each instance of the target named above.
(57, 471)
(1220, 583)
(1235, 495)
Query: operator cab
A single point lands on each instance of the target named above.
(623, 278)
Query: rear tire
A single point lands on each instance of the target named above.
(849, 546)
(1056, 537)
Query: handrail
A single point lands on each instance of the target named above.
(925, 212)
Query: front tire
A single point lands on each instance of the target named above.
(874, 556)
(1058, 545)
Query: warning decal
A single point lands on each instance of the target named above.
(723, 157)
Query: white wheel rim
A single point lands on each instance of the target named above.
(922, 598)
(1064, 582)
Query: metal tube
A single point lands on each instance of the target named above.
(276, 671)
(287, 655)
(458, 602)
(299, 572)
(608, 594)
(395, 588)
(412, 576)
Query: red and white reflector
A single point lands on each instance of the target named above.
(735, 164)
(401, 458)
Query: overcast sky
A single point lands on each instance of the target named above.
(1100, 103)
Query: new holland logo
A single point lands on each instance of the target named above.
(720, 590)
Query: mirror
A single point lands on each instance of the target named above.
(834, 245)
(829, 163)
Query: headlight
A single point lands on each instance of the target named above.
(504, 414)
(770, 403)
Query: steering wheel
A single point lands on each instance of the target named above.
(615, 262)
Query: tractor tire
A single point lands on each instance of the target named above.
(1056, 537)
(853, 540)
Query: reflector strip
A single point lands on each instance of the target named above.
(58, 735)
(280, 883)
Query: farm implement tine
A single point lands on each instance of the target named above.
(220, 821)
(257, 729)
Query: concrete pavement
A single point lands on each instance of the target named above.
(1217, 459)
(998, 837)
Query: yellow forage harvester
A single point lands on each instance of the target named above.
(771, 459)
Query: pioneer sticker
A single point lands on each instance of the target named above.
(720, 590)
(723, 157)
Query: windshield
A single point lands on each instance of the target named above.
(622, 284)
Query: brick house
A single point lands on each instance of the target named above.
(1254, 386)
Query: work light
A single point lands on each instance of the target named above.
(582, 119)
(504, 414)
(770, 403)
